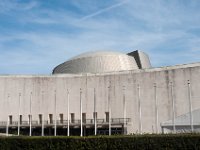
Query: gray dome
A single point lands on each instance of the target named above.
(97, 62)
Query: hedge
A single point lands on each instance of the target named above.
(155, 142)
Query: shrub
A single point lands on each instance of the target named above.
(147, 141)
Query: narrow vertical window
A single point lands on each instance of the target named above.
(61, 118)
(51, 118)
(94, 116)
(40, 118)
(29, 119)
(20, 119)
(10, 119)
(107, 116)
(84, 117)
(72, 117)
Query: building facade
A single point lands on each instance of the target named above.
(120, 101)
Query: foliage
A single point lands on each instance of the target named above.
(147, 141)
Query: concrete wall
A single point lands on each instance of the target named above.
(145, 82)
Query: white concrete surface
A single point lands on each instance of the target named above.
(12, 85)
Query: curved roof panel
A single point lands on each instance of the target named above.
(97, 53)
(97, 62)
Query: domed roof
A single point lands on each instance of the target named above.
(97, 62)
(96, 53)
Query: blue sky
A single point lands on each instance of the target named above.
(36, 35)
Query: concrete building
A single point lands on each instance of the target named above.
(102, 93)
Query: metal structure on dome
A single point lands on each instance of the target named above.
(102, 62)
